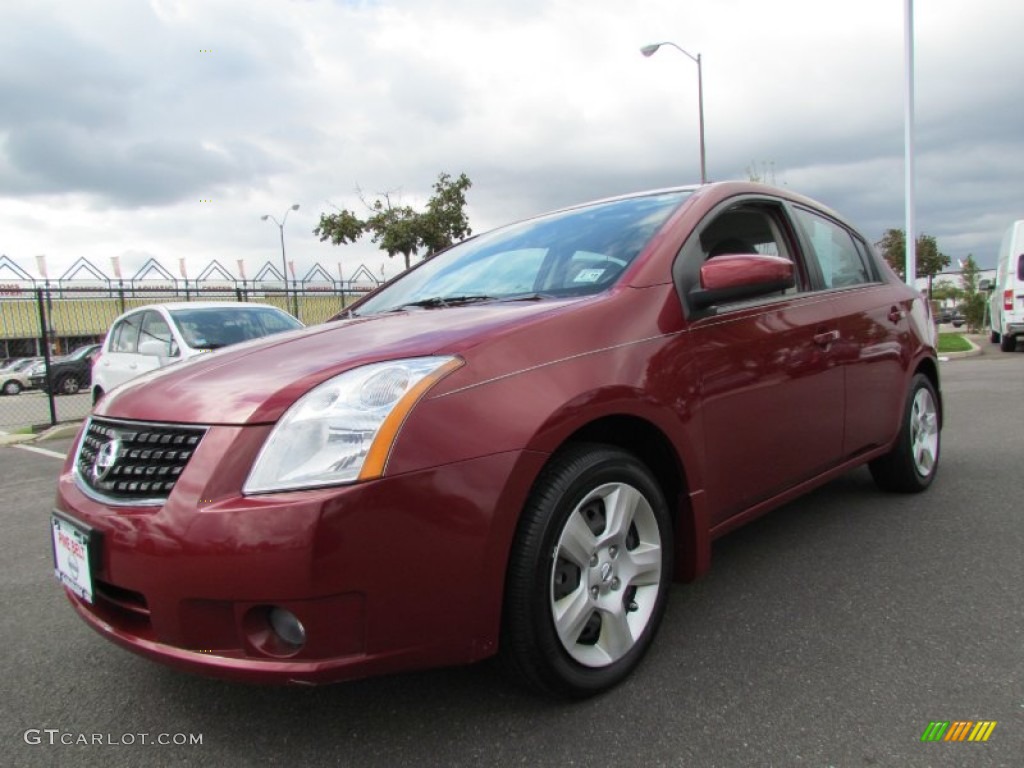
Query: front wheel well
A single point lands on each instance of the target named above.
(652, 447)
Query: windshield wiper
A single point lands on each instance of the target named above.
(528, 297)
(444, 301)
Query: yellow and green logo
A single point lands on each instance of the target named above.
(958, 730)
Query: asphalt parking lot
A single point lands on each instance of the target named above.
(828, 633)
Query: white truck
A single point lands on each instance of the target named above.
(1006, 302)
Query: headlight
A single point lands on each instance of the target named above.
(343, 430)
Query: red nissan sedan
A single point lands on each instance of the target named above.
(513, 448)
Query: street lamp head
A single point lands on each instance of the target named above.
(649, 50)
(265, 217)
(295, 207)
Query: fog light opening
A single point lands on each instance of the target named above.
(287, 627)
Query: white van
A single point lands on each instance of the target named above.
(1006, 303)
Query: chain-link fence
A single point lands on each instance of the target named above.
(50, 326)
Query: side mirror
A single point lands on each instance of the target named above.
(985, 285)
(157, 348)
(733, 277)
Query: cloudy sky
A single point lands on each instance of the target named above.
(166, 128)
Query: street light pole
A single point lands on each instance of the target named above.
(284, 260)
(649, 50)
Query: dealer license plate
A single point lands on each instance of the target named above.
(71, 557)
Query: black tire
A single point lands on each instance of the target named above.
(611, 583)
(97, 393)
(11, 387)
(1008, 343)
(911, 464)
(69, 385)
(993, 336)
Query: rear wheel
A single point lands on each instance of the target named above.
(588, 574)
(69, 385)
(11, 387)
(1008, 343)
(911, 464)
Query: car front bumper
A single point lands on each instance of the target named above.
(403, 572)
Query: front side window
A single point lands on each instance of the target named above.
(125, 335)
(749, 228)
(572, 253)
(840, 263)
(155, 328)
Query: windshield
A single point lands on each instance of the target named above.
(217, 327)
(572, 253)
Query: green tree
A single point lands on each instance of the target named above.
(929, 259)
(395, 228)
(444, 222)
(946, 292)
(973, 304)
(340, 228)
(400, 229)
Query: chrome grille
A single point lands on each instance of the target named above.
(134, 462)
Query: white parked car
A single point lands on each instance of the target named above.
(14, 377)
(1006, 303)
(151, 337)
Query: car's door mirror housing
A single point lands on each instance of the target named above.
(157, 348)
(985, 285)
(733, 277)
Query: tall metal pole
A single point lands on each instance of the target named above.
(908, 143)
(649, 50)
(284, 259)
(284, 262)
(700, 102)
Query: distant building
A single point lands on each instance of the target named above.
(953, 278)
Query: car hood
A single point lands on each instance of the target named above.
(255, 382)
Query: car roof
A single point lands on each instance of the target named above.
(718, 189)
(172, 306)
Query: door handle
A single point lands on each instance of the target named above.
(896, 314)
(825, 338)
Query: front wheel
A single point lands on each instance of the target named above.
(911, 464)
(589, 573)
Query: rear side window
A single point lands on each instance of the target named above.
(1020, 267)
(839, 260)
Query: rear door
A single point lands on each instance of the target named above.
(874, 326)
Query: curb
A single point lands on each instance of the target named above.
(974, 351)
(69, 429)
